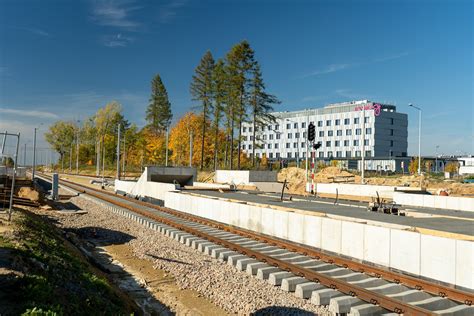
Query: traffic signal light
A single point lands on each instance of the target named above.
(311, 132)
(317, 146)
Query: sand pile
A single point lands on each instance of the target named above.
(28, 193)
(206, 176)
(295, 177)
(333, 174)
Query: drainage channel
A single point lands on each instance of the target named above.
(292, 271)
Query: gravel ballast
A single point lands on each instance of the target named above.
(228, 288)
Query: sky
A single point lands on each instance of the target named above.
(62, 60)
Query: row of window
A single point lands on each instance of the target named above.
(358, 131)
(337, 143)
(329, 154)
(337, 122)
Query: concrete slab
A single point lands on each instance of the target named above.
(465, 263)
(232, 259)
(410, 296)
(435, 303)
(377, 245)
(331, 235)
(289, 284)
(405, 251)
(390, 288)
(323, 296)
(366, 310)
(438, 258)
(304, 290)
(264, 273)
(460, 310)
(312, 231)
(276, 278)
(215, 253)
(296, 227)
(252, 268)
(343, 304)
(352, 240)
(242, 264)
(225, 254)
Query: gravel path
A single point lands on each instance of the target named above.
(232, 290)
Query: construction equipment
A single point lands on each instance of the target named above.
(381, 206)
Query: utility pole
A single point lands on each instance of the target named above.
(124, 154)
(167, 136)
(436, 158)
(24, 157)
(191, 148)
(34, 157)
(363, 146)
(118, 152)
(77, 149)
(4, 141)
(70, 159)
(14, 176)
(307, 145)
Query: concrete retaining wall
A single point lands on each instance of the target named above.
(156, 190)
(20, 171)
(435, 201)
(239, 177)
(356, 189)
(447, 260)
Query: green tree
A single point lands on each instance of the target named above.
(261, 105)
(61, 136)
(220, 97)
(202, 90)
(158, 113)
(240, 62)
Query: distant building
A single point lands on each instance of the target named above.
(339, 128)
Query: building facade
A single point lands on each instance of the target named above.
(343, 129)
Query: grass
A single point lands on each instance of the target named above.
(54, 281)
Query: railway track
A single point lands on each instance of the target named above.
(346, 286)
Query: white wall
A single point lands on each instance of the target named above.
(466, 170)
(239, 177)
(356, 189)
(438, 258)
(156, 190)
(435, 201)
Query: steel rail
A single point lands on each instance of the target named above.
(429, 287)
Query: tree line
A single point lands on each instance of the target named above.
(227, 92)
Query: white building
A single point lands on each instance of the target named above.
(340, 128)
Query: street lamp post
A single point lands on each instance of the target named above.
(419, 137)
(167, 136)
(436, 158)
(77, 148)
(34, 154)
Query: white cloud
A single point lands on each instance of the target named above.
(117, 40)
(115, 13)
(168, 11)
(31, 113)
(35, 31)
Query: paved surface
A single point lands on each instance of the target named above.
(458, 222)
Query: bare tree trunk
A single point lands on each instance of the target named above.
(253, 142)
(203, 137)
(216, 134)
(232, 144)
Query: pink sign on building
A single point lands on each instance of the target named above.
(376, 107)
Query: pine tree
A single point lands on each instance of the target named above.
(261, 104)
(220, 82)
(240, 61)
(158, 113)
(202, 90)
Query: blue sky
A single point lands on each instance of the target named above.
(63, 59)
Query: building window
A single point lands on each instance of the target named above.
(251, 137)
(366, 142)
(276, 145)
(277, 155)
(263, 128)
(339, 132)
(250, 129)
(297, 135)
(347, 121)
(391, 132)
(368, 130)
(337, 122)
(258, 155)
(270, 137)
(320, 123)
(356, 142)
(321, 154)
(366, 119)
(356, 120)
(256, 128)
(277, 127)
(295, 125)
(304, 154)
(358, 131)
(391, 121)
(368, 153)
(303, 125)
(288, 126)
(277, 136)
(289, 135)
(346, 142)
(271, 155)
(287, 145)
(303, 145)
(269, 146)
(243, 146)
(330, 133)
(328, 143)
(348, 154)
(244, 129)
(264, 137)
(328, 122)
(250, 147)
(295, 145)
(321, 133)
(357, 153)
(391, 143)
(288, 155)
(348, 132)
(337, 143)
(329, 154)
(338, 154)
(304, 134)
(269, 127)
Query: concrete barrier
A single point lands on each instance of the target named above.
(244, 177)
(356, 189)
(395, 246)
(435, 201)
